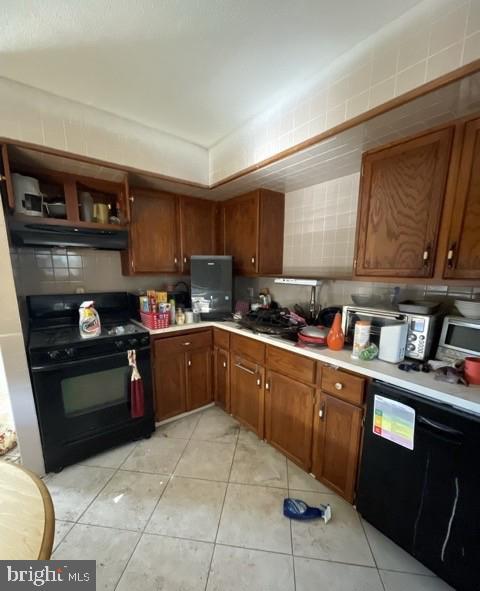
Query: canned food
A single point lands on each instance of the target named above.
(361, 337)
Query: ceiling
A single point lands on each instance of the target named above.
(197, 69)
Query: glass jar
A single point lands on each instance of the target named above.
(180, 316)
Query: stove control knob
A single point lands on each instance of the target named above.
(132, 342)
(412, 337)
(70, 352)
(411, 347)
(54, 354)
(120, 344)
(145, 340)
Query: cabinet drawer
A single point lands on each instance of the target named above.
(187, 342)
(292, 365)
(342, 385)
(250, 348)
(221, 338)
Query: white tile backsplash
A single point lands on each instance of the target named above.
(320, 227)
(338, 293)
(59, 270)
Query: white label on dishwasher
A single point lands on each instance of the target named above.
(394, 421)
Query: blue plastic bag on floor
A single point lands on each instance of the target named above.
(298, 509)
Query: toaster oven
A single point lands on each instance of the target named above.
(460, 338)
(422, 331)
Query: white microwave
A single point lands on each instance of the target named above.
(460, 338)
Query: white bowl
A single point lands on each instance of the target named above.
(468, 308)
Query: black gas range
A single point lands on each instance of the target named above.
(82, 386)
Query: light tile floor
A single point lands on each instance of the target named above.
(198, 507)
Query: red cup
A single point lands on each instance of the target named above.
(472, 370)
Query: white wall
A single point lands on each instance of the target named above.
(15, 381)
(435, 37)
(41, 118)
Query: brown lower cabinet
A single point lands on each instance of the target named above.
(182, 373)
(169, 375)
(221, 390)
(289, 417)
(336, 443)
(312, 413)
(199, 378)
(247, 392)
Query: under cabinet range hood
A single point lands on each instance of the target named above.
(29, 233)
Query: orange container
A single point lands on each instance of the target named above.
(471, 370)
(336, 338)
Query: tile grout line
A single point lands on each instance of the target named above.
(371, 551)
(291, 532)
(115, 470)
(142, 532)
(221, 511)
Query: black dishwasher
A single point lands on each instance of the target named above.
(419, 481)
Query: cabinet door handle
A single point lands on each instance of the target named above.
(175, 260)
(189, 363)
(451, 255)
(267, 385)
(253, 260)
(426, 255)
(242, 367)
(338, 386)
(259, 382)
(187, 343)
(321, 413)
(185, 260)
(225, 364)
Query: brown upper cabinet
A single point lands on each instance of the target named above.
(65, 188)
(462, 260)
(253, 231)
(166, 230)
(197, 229)
(401, 200)
(153, 245)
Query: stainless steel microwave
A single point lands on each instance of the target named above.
(460, 338)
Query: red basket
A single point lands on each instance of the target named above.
(155, 319)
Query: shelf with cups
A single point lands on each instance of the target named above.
(43, 196)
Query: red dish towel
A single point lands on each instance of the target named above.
(137, 399)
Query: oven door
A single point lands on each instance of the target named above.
(80, 399)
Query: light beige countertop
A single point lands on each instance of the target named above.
(27, 520)
(462, 397)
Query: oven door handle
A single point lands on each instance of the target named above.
(77, 362)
